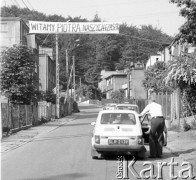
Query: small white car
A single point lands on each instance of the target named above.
(110, 106)
(133, 107)
(117, 132)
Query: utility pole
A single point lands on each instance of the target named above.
(57, 78)
(74, 78)
(67, 72)
(128, 86)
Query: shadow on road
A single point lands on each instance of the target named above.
(67, 176)
(77, 124)
(63, 137)
(88, 107)
(56, 124)
(166, 155)
(87, 116)
(177, 153)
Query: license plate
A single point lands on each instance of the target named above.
(118, 141)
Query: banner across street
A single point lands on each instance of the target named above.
(42, 27)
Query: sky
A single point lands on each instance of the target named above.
(158, 13)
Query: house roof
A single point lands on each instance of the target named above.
(14, 19)
(118, 74)
(104, 74)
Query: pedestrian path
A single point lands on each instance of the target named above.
(24, 136)
(183, 144)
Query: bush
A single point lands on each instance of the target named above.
(186, 126)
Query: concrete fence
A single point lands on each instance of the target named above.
(16, 116)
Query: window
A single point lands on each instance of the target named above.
(118, 118)
(4, 27)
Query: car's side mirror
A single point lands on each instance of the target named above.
(93, 123)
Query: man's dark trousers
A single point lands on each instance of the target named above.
(155, 136)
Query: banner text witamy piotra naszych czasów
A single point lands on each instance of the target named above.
(40, 27)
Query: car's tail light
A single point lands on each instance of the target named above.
(97, 139)
(140, 140)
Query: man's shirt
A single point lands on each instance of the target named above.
(154, 109)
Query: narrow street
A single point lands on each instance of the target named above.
(64, 154)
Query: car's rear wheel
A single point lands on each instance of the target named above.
(95, 154)
(141, 154)
(94, 157)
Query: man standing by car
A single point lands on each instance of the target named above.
(157, 127)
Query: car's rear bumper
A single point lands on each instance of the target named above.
(117, 148)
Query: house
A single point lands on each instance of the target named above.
(129, 81)
(164, 51)
(134, 82)
(15, 31)
(47, 69)
(153, 59)
(177, 47)
(114, 82)
(103, 75)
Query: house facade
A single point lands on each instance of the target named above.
(103, 75)
(13, 31)
(152, 60)
(136, 85)
(114, 82)
(47, 69)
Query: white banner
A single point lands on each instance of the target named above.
(41, 27)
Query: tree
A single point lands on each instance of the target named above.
(154, 76)
(18, 73)
(118, 96)
(188, 11)
(181, 72)
(48, 96)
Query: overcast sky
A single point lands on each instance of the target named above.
(159, 13)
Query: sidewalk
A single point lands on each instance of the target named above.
(183, 144)
(24, 136)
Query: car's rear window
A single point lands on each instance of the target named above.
(111, 105)
(118, 118)
(134, 108)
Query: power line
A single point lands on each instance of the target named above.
(158, 42)
(107, 4)
(17, 3)
(30, 4)
(25, 5)
(144, 15)
(45, 40)
(28, 8)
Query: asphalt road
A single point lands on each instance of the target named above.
(64, 154)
